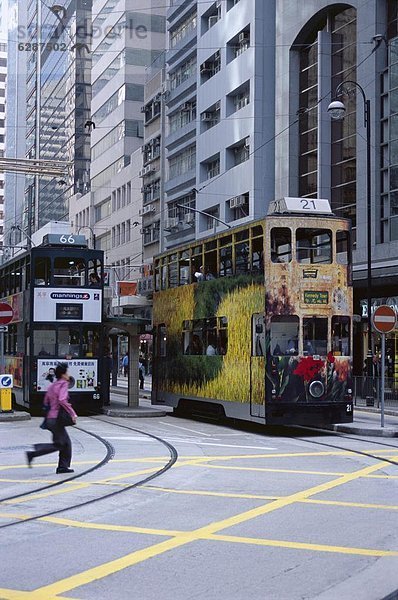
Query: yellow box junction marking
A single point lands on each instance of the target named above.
(209, 532)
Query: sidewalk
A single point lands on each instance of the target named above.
(367, 422)
(118, 406)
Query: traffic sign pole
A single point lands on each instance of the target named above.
(384, 321)
(383, 362)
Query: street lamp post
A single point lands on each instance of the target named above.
(336, 109)
(93, 238)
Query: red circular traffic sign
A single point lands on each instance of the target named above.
(384, 319)
(6, 313)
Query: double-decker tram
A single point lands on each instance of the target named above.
(56, 292)
(255, 323)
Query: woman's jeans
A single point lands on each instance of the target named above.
(61, 443)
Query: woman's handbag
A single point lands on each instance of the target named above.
(64, 418)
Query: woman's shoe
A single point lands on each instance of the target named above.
(64, 470)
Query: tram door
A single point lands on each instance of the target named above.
(257, 367)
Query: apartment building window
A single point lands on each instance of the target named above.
(151, 191)
(180, 209)
(128, 231)
(150, 233)
(238, 153)
(210, 117)
(182, 162)
(186, 114)
(103, 210)
(151, 150)
(210, 67)
(179, 32)
(238, 44)
(238, 98)
(231, 4)
(152, 109)
(184, 72)
(210, 168)
(211, 16)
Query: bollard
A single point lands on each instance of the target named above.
(5, 400)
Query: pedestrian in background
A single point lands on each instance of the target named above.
(57, 396)
(125, 364)
(141, 374)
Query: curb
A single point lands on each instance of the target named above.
(133, 412)
(14, 416)
(390, 433)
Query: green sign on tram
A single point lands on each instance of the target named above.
(313, 297)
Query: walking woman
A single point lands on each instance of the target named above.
(57, 396)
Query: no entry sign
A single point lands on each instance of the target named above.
(6, 313)
(384, 319)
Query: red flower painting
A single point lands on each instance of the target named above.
(308, 367)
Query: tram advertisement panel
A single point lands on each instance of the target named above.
(83, 374)
(64, 304)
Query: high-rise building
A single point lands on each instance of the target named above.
(58, 44)
(3, 80)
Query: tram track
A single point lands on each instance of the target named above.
(173, 458)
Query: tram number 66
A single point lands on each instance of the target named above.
(349, 408)
(67, 239)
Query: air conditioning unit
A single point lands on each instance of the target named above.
(207, 116)
(212, 20)
(244, 36)
(189, 218)
(146, 209)
(148, 169)
(141, 173)
(171, 223)
(237, 201)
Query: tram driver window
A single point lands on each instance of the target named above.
(284, 335)
(42, 270)
(281, 245)
(44, 342)
(315, 335)
(341, 336)
(314, 246)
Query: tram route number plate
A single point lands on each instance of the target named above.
(314, 297)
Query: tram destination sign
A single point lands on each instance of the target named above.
(300, 205)
(315, 297)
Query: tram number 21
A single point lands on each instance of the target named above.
(348, 408)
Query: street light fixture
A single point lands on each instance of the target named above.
(337, 110)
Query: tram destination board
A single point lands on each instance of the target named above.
(315, 297)
(70, 312)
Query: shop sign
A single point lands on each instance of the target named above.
(314, 297)
(392, 302)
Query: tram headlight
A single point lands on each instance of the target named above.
(316, 389)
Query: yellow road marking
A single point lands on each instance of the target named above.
(110, 527)
(52, 492)
(353, 504)
(21, 595)
(300, 545)
(138, 556)
(265, 470)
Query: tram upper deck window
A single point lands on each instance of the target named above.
(315, 335)
(42, 270)
(284, 335)
(281, 245)
(343, 247)
(173, 271)
(69, 271)
(341, 336)
(314, 246)
(184, 267)
(257, 250)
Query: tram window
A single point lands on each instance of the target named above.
(164, 277)
(162, 342)
(281, 245)
(258, 337)
(315, 335)
(90, 342)
(210, 264)
(42, 270)
(183, 266)
(341, 336)
(342, 247)
(284, 335)
(257, 258)
(173, 274)
(240, 236)
(69, 271)
(314, 246)
(242, 258)
(44, 342)
(222, 343)
(226, 261)
(94, 273)
(68, 342)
